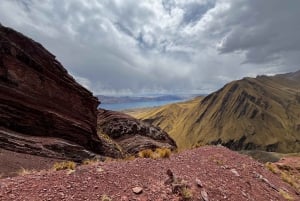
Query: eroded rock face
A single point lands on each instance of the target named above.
(39, 98)
(131, 134)
(44, 112)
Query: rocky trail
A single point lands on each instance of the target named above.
(206, 173)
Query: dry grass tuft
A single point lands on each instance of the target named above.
(272, 168)
(286, 177)
(286, 195)
(90, 161)
(158, 153)
(186, 194)
(66, 165)
(105, 198)
(284, 174)
(147, 153)
(163, 152)
(24, 171)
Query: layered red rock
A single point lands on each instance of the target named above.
(39, 97)
(45, 113)
(131, 134)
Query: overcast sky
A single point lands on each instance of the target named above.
(118, 47)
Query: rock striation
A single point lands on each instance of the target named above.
(130, 134)
(39, 98)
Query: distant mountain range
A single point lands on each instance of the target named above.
(130, 99)
(261, 113)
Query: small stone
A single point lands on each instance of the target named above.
(99, 169)
(235, 172)
(137, 190)
(199, 183)
(204, 195)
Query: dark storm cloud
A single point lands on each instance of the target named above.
(264, 30)
(122, 47)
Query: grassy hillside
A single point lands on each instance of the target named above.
(260, 113)
(171, 118)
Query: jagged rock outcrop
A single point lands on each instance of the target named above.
(39, 98)
(130, 134)
(260, 113)
(46, 113)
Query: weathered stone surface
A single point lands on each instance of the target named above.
(39, 98)
(41, 146)
(131, 134)
(137, 190)
(44, 112)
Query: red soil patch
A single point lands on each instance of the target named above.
(12, 162)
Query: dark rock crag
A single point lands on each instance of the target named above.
(44, 112)
(130, 134)
(39, 98)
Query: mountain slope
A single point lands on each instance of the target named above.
(253, 113)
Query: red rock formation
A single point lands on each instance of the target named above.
(131, 134)
(39, 97)
(44, 112)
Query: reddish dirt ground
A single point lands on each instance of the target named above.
(11, 163)
(225, 175)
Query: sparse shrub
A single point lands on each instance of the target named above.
(285, 195)
(272, 167)
(186, 194)
(284, 174)
(179, 186)
(65, 165)
(105, 198)
(147, 153)
(286, 177)
(24, 171)
(158, 153)
(163, 152)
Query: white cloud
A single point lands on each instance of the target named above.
(83, 81)
(115, 46)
